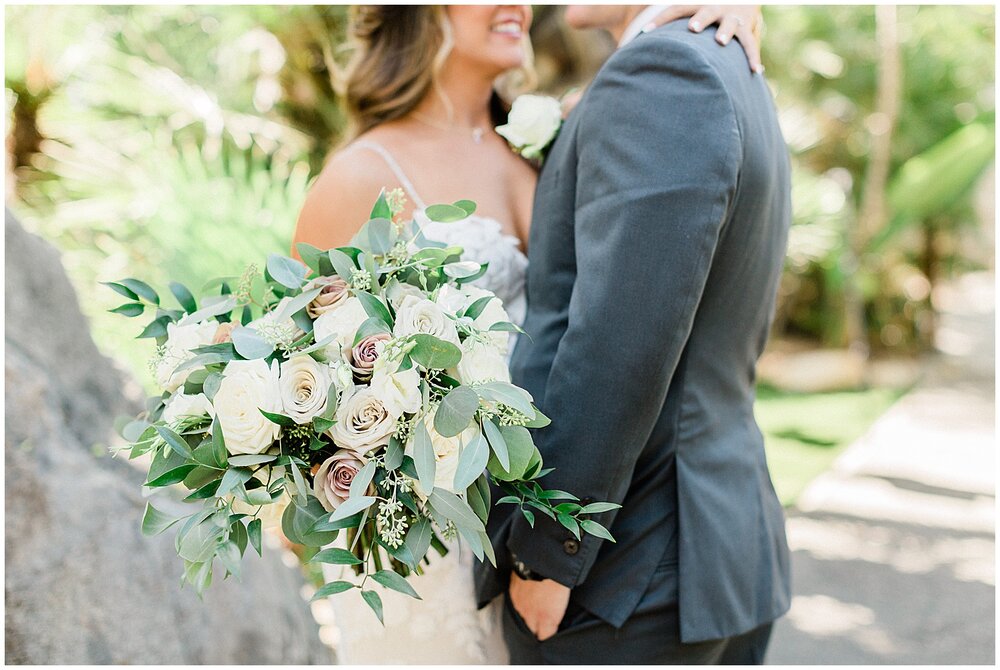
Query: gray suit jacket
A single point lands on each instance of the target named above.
(659, 231)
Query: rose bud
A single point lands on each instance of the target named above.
(224, 333)
(333, 293)
(363, 356)
(332, 484)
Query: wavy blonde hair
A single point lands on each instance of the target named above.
(398, 53)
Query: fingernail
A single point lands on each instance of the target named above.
(649, 26)
(723, 39)
(759, 69)
(695, 26)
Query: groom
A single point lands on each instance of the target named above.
(660, 225)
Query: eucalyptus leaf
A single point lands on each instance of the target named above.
(129, 309)
(433, 353)
(233, 478)
(254, 532)
(155, 522)
(497, 443)
(249, 343)
(472, 461)
(352, 506)
(374, 307)
(183, 297)
(336, 557)
(423, 456)
(391, 580)
(286, 271)
(342, 263)
(375, 602)
(456, 411)
(445, 213)
(332, 588)
(141, 289)
(251, 459)
(362, 479)
(213, 306)
(175, 441)
(456, 510)
(297, 303)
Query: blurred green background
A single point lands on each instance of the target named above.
(179, 141)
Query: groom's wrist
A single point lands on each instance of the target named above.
(523, 571)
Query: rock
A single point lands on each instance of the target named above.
(814, 371)
(83, 586)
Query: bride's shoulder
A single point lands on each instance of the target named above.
(341, 197)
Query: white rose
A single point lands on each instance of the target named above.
(452, 299)
(420, 315)
(532, 124)
(182, 405)
(447, 451)
(399, 391)
(481, 362)
(342, 322)
(395, 291)
(491, 314)
(304, 384)
(180, 341)
(248, 387)
(363, 421)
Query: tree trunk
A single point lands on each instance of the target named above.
(873, 209)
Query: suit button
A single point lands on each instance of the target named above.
(571, 547)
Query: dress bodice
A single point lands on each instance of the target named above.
(484, 241)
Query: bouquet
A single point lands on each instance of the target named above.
(364, 393)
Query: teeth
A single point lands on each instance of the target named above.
(508, 28)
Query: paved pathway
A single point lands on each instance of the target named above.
(893, 548)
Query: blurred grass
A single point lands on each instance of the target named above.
(805, 432)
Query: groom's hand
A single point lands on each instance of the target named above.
(541, 604)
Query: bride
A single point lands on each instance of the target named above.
(424, 91)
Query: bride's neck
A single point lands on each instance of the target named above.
(460, 97)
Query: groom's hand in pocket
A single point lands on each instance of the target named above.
(542, 604)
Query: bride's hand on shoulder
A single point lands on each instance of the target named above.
(744, 22)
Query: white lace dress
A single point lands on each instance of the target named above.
(444, 627)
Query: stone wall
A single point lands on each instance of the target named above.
(82, 584)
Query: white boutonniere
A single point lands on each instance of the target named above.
(532, 125)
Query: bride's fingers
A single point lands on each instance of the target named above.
(706, 16)
(751, 47)
(672, 13)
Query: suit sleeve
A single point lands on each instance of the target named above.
(658, 161)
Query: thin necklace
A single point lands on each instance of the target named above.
(476, 131)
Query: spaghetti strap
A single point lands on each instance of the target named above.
(394, 166)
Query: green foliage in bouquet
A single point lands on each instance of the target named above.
(360, 399)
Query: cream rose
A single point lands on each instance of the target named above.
(334, 294)
(399, 391)
(332, 482)
(183, 405)
(180, 341)
(304, 384)
(363, 421)
(419, 315)
(396, 291)
(342, 322)
(447, 451)
(248, 387)
(481, 362)
(532, 124)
